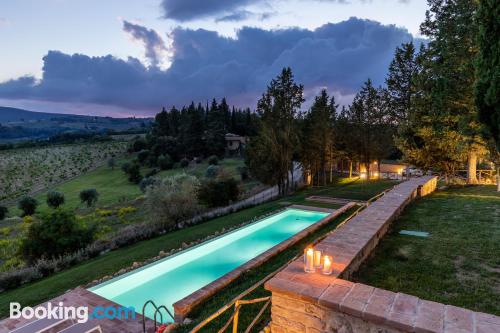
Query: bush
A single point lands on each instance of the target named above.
(89, 196)
(27, 205)
(184, 163)
(134, 173)
(217, 193)
(212, 171)
(213, 160)
(142, 156)
(3, 212)
(55, 234)
(165, 162)
(111, 163)
(125, 167)
(146, 182)
(243, 170)
(55, 199)
(151, 173)
(173, 200)
(138, 145)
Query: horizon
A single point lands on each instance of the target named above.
(133, 59)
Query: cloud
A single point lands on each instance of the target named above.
(185, 10)
(204, 65)
(155, 49)
(226, 10)
(244, 15)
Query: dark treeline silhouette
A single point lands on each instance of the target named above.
(195, 131)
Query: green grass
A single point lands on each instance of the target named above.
(248, 279)
(107, 264)
(355, 188)
(458, 264)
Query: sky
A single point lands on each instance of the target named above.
(130, 58)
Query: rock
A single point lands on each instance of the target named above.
(162, 254)
(136, 264)
(184, 245)
(122, 271)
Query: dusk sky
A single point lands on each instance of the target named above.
(123, 58)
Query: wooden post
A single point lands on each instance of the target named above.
(236, 315)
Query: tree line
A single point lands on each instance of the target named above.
(195, 131)
(439, 107)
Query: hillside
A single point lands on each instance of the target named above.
(19, 125)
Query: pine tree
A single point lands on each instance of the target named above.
(400, 82)
(317, 149)
(487, 93)
(270, 155)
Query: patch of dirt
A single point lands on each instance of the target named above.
(463, 275)
(490, 269)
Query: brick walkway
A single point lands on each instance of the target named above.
(317, 303)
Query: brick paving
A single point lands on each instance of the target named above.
(338, 305)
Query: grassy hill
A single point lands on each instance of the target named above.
(19, 125)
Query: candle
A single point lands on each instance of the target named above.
(309, 260)
(317, 258)
(327, 265)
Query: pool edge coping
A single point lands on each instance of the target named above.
(188, 303)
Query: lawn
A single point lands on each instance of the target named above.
(458, 264)
(355, 188)
(113, 261)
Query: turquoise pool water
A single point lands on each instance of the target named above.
(171, 279)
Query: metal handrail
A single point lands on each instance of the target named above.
(144, 316)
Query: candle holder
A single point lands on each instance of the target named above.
(317, 259)
(327, 268)
(309, 260)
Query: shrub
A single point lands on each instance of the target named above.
(134, 173)
(184, 163)
(55, 199)
(139, 144)
(165, 162)
(111, 163)
(173, 199)
(221, 192)
(89, 196)
(213, 160)
(126, 210)
(243, 170)
(125, 166)
(27, 205)
(212, 171)
(56, 233)
(146, 182)
(142, 156)
(3, 212)
(152, 172)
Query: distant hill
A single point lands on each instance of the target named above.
(15, 115)
(20, 125)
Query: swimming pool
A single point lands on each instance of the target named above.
(173, 278)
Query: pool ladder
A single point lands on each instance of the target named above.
(157, 311)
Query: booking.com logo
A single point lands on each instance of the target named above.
(80, 314)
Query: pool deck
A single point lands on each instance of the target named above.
(313, 302)
(82, 297)
(187, 304)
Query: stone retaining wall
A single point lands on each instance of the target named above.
(315, 303)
